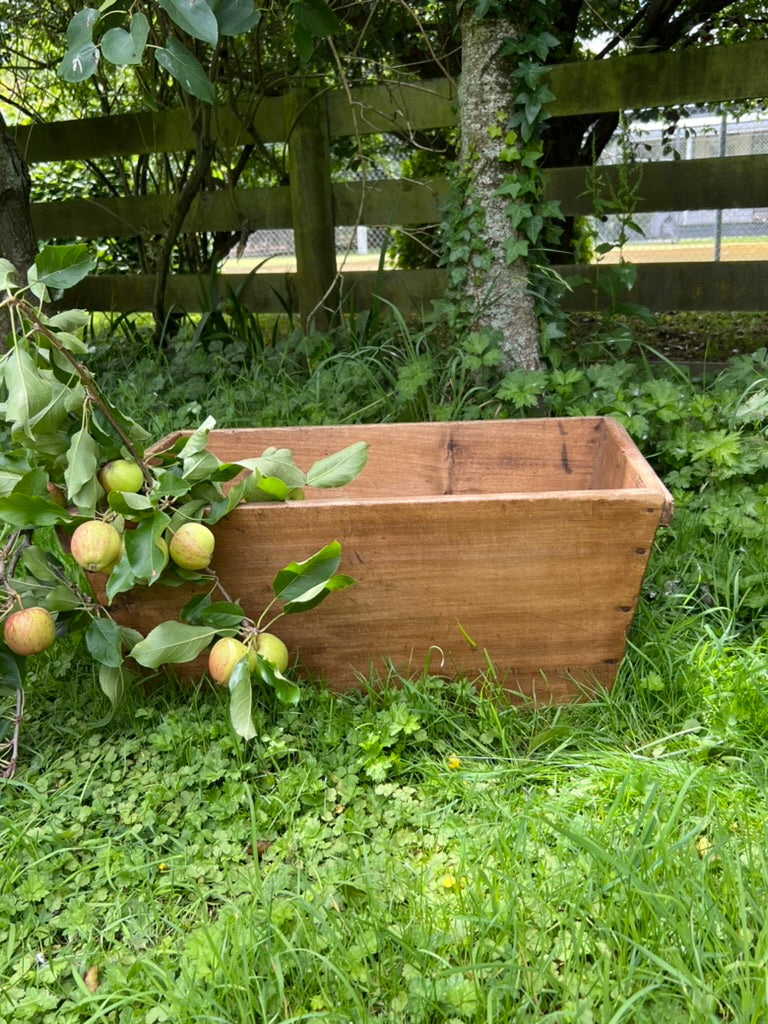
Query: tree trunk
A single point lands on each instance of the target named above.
(497, 290)
(17, 237)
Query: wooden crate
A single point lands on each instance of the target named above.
(530, 537)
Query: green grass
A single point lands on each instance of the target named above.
(423, 852)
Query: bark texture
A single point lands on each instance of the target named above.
(17, 236)
(498, 292)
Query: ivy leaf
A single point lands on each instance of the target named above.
(241, 700)
(7, 275)
(186, 69)
(515, 249)
(172, 643)
(340, 468)
(194, 17)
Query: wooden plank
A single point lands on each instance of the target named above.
(312, 215)
(162, 131)
(235, 210)
(393, 107)
(401, 202)
(733, 286)
(659, 286)
(729, 182)
(711, 184)
(695, 75)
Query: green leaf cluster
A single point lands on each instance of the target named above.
(62, 430)
(123, 38)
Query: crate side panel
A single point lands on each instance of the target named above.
(413, 459)
(543, 586)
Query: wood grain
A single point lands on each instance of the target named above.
(530, 537)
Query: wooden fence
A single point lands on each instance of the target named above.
(312, 205)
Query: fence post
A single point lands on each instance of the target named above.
(309, 166)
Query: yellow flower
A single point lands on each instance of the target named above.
(162, 867)
(454, 762)
(448, 881)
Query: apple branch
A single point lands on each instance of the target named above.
(89, 384)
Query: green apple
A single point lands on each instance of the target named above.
(121, 475)
(223, 657)
(29, 631)
(192, 546)
(96, 545)
(272, 649)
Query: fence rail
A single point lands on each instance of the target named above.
(705, 75)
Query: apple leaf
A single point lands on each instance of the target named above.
(121, 579)
(36, 562)
(147, 557)
(112, 679)
(24, 512)
(314, 597)
(13, 668)
(62, 599)
(170, 484)
(224, 506)
(197, 440)
(274, 462)
(340, 468)
(128, 504)
(80, 473)
(61, 266)
(286, 691)
(265, 488)
(29, 392)
(221, 615)
(172, 643)
(299, 579)
(7, 275)
(241, 700)
(103, 638)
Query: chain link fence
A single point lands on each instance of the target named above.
(692, 235)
